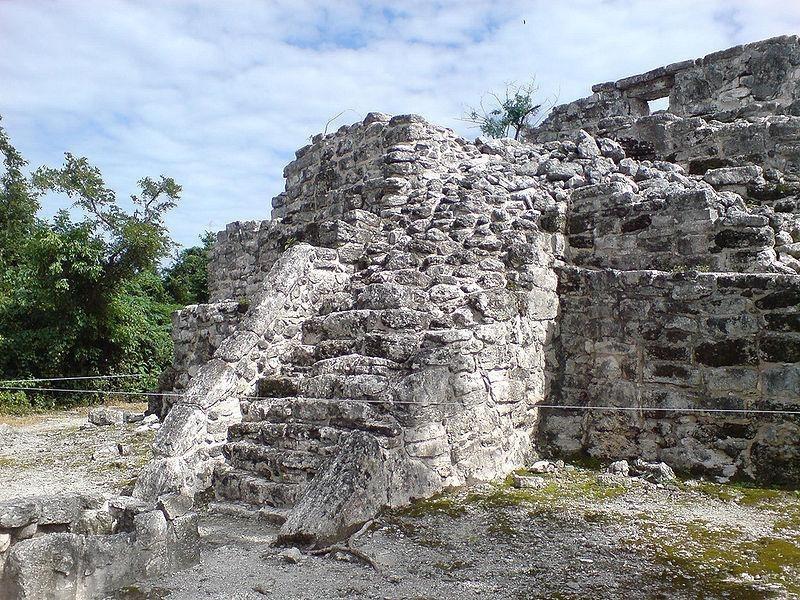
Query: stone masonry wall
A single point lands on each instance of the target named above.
(405, 322)
(432, 357)
(729, 108)
(758, 79)
(241, 258)
(197, 331)
(660, 226)
(190, 441)
(81, 546)
(680, 340)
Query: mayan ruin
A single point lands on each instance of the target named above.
(422, 313)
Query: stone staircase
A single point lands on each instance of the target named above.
(295, 424)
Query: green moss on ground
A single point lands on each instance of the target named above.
(569, 487)
(447, 503)
(724, 560)
(7, 462)
(696, 555)
(576, 485)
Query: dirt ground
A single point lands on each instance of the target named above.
(580, 535)
(577, 537)
(52, 453)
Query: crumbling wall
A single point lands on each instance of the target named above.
(418, 362)
(242, 257)
(754, 79)
(667, 223)
(425, 369)
(732, 107)
(191, 438)
(197, 331)
(655, 340)
(81, 547)
(758, 79)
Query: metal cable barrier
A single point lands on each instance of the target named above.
(687, 410)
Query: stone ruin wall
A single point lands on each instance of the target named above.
(667, 340)
(434, 345)
(416, 296)
(197, 331)
(732, 120)
(424, 312)
(740, 105)
(82, 546)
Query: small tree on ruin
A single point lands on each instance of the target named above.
(509, 113)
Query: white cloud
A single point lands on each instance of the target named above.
(219, 94)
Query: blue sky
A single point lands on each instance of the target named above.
(218, 95)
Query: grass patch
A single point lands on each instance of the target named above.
(744, 494)
(786, 503)
(720, 558)
(568, 488)
(447, 503)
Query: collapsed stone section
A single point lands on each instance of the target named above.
(83, 546)
(730, 108)
(402, 320)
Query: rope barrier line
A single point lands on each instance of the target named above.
(84, 391)
(35, 380)
(425, 404)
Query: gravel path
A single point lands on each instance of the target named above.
(573, 539)
(52, 454)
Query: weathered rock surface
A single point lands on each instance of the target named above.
(102, 415)
(350, 491)
(79, 546)
(393, 330)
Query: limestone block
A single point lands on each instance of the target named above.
(18, 513)
(102, 415)
(345, 494)
(175, 505)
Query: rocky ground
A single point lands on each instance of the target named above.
(577, 536)
(575, 533)
(63, 452)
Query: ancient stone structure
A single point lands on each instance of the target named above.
(738, 106)
(80, 546)
(419, 306)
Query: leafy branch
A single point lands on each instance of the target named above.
(512, 112)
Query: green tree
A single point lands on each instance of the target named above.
(135, 241)
(18, 203)
(83, 297)
(512, 112)
(187, 279)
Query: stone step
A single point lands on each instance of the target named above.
(239, 485)
(240, 510)
(341, 413)
(355, 323)
(304, 437)
(277, 464)
(355, 387)
(354, 364)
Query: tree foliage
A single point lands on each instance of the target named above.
(18, 202)
(187, 279)
(511, 112)
(84, 296)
